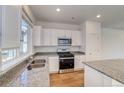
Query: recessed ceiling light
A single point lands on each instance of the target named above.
(98, 16)
(58, 9)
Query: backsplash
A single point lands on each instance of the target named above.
(55, 48)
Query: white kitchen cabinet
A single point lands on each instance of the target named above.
(116, 83)
(93, 27)
(11, 26)
(61, 33)
(76, 38)
(37, 36)
(53, 64)
(54, 37)
(50, 37)
(92, 40)
(68, 33)
(93, 46)
(94, 78)
(47, 37)
(78, 59)
(64, 33)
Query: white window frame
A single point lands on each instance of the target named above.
(12, 55)
(22, 53)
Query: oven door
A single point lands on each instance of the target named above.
(66, 63)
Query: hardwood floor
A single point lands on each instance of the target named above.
(73, 79)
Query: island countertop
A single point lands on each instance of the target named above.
(112, 68)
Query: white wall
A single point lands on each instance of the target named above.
(58, 25)
(112, 43)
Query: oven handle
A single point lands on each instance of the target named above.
(67, 58)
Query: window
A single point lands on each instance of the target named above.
(24, 38)
(8, 55)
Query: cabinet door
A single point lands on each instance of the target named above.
(76, 38)
(116, 83)
(78, 61)
(53, 64)
(46, 37)
(93, 27)
(93, 47)
(54, 37)
(68, 33)
(37, 36)
(50, 37)
(93, 78)
(61, 34)
(11, 21)
(79, 38)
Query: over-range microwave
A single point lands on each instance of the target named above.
(64, 41)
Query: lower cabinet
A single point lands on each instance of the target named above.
(53, 64)
(78, 59)
(94, 78)
(116, 83)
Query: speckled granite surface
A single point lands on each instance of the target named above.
(46, 54)
(111, 68)
(37, 77)
(19, 76)
(55, 53)
(7, 78)
(78, 53)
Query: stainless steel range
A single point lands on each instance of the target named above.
(66, 62)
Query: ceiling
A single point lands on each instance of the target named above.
(112, 16)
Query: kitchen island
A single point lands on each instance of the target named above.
(104, 73)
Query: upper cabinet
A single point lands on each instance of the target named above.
(76, 38)
(37, 36)
(64, 33)
(54, 37)
(49, 37)
(11, 26)
(68, 33)
(93, 27)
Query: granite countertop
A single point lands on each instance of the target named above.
(37, 77)
(19, 76)
(46, 54)
(111, 68)
(55, 53)
(20, 72)
(78, 53)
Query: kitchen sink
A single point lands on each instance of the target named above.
(38, 63)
